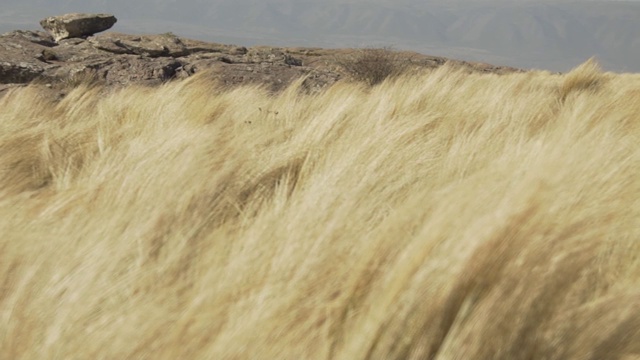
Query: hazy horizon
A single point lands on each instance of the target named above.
(545, 35)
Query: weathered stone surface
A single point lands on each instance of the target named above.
(152, 45)
(34, 37)
(20, 72)
(238, 50)
(271, 55)
(120, 59)
(77, 25)
(21, 56)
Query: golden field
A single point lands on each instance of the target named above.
(445, 215)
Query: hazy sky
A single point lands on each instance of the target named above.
(554, 35)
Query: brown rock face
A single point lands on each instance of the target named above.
(77, 25)
(19, 61)
(121, 59)
(116, 59)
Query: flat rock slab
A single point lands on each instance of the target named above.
(77, 25)
(153, 45)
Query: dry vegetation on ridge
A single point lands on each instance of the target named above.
(441, 216)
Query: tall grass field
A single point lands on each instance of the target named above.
(443, 215)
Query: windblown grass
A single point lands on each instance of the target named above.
(441, 216)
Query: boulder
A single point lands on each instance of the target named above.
(77, 25)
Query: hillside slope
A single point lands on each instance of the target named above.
(450, 215)
(550, 35)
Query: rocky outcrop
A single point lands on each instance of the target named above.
(117, 59)
(164, 45)
(20, 49)
(122, 59)
(77, 25)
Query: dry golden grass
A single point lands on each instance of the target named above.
(442, 216)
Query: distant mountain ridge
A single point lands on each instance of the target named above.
(549, 35)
